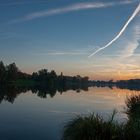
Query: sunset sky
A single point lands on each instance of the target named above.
(61, 34)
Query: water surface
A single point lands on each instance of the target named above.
(30, 116)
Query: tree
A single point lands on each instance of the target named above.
(85, 79)
(43, 75)
(12, 72)
(34, 76)
(2, 72)
(52, 78)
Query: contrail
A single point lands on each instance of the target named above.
(137, 10)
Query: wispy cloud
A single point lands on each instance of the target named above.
(64, 112)
(129, 1)
(135, 13)
(132, 43)
(76, 52)
(82, 51)
(70, 8)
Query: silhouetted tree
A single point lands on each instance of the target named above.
(12, 72)
(34, 76)
(43, 75)
(52, 78)
(2, 72)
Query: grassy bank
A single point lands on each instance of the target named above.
(94, 127)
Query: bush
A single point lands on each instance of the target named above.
(133, 107)
(93, 127)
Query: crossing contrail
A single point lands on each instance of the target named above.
(137, 10)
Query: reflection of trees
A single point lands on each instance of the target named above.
(9, 92)
(41, 83)
(132, 84)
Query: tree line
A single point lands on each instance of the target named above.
(11, 73)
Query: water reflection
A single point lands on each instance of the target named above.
(9, 92)
(44, 119)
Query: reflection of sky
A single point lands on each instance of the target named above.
(61, 34)
(31, 117)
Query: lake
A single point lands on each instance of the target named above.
(33, 116)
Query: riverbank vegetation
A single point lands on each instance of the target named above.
(10, 74)
(94, 127)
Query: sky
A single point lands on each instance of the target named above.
(61, 34)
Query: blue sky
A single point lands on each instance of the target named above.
(61, 34)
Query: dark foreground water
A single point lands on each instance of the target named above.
(31, 117)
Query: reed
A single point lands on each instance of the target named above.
(94, 127)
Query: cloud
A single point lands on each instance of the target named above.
(131, 43)
(63, 112)
(129, 1)
(135, 13)
(76, 52)
(70, 8)
(82, 51)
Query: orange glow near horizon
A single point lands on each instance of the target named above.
(115, 75)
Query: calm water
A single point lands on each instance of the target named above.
(33, 118)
